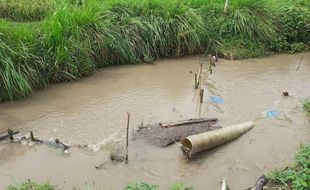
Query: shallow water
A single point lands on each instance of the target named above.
(93, 111)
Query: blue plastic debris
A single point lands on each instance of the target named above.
(217, 100)
(272, 114)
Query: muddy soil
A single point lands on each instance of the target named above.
(164, 136)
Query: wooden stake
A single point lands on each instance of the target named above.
(199, 77)
(201, 95)
(128, 119)
(224, 184)
(299, 63)
(11, 134)
(195, 85)
(216, 55)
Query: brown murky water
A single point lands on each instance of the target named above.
(93, 111)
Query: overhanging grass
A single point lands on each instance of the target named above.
(76, 40)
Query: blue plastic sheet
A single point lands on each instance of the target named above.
(272, 114)
(217, 100)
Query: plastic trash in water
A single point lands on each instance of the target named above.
(217, 100)
(273, 114)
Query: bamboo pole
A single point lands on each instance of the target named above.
(187, 122)
(128, 119)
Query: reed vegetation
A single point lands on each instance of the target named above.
(48, 41)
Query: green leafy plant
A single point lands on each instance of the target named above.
(180, 186)
(29, 185)
(141, 186)
(295, 177)
(306, 105)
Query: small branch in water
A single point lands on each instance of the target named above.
(10, 135)
(260, 183)
(299, 62)
(65, 147)
(128, 119)
(34, 139)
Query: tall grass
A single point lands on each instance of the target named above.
(25, 10)
(246, 24)
(73, 38)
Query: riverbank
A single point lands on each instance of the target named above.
(56, 41)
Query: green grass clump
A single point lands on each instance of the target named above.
(306, 105)
(293, 26)
(25, 10)
(236, 48)
(22, 69)
(296, 177)
(134, 186)
(145, 186)
(29, 185)
(246, 25)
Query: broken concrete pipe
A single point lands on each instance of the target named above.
(203, 141)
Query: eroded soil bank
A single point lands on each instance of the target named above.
(93, 111)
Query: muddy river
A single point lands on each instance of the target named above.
(93, 111)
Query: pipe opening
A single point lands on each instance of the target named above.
(186, 143)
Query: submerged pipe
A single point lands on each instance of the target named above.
(203, 141)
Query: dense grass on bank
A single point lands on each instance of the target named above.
(26, 10)
(47, 41)
(295, 177)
